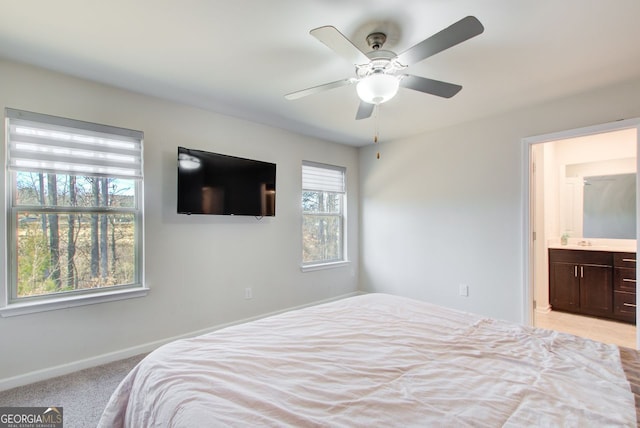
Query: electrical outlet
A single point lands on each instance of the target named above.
(463, 290)
(248, 293)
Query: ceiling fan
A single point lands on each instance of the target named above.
(379, 72)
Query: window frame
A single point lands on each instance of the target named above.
(327, 263)
(10, 303)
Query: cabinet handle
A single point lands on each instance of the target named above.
(628, 280)
(581, 271)
(631, 305)
(629, 260)
(575, 271)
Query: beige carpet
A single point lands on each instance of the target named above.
(83, 395)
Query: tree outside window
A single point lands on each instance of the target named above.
(323, 198)
(75, 219)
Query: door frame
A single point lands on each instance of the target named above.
(527, 203)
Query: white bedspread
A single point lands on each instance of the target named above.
(371, 361)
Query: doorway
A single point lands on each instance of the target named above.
(555, 166)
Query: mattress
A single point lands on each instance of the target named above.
(376, 360)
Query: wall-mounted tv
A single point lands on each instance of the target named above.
(213, 183)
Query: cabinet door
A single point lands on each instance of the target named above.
(596, 289)
(564, 286)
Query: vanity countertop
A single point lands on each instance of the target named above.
(612, 248)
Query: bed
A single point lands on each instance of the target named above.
(379, 360)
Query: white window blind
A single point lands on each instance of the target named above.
(322, 178)
(43, 143)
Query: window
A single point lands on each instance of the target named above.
(323, 214)
(74, 226)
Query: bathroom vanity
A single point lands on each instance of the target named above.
(593, 281)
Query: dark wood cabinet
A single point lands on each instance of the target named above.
(581, 281)
(596, 290)
(624, 286)
(597, 283)
(564, 287)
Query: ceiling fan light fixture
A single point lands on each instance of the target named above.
(377, 88)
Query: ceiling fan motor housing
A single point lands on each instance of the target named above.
(381, 62)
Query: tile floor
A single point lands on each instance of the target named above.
(606, 331)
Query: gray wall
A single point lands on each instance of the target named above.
(445, 208)
(196, 266)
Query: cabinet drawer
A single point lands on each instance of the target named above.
(624, 279)
(625, 260)
(624, 306)
(599, 258)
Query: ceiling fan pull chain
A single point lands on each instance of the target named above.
(376, 132)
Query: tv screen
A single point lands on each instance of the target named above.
(212, 183)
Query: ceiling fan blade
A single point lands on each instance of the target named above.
(320, 88)
(364, 110)
(337, 42)
(430, 86)
(456, 33)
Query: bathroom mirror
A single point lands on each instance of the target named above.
(609, 206)
(605, 208)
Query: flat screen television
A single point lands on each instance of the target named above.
(213, 183)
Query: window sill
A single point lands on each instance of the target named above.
(320, 266)
(16, 309)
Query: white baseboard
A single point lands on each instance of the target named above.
(543, 309)
(63, 369)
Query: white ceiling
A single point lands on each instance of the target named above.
(240, 57)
